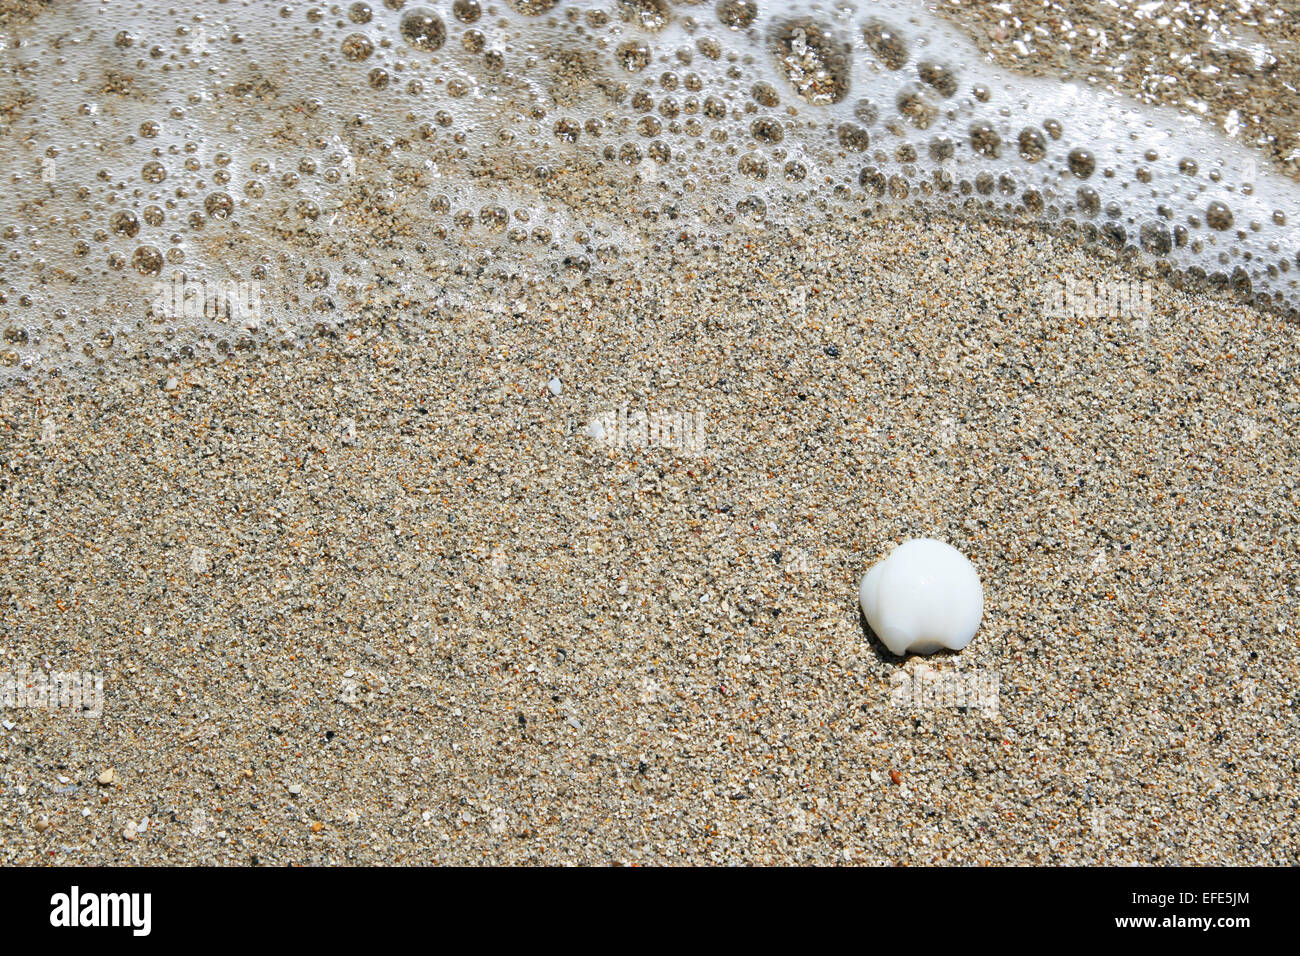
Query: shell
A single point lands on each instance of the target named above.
(925, 596)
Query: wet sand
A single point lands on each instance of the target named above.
(1234, 64)
(380, 599)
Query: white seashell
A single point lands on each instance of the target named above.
(923, 597)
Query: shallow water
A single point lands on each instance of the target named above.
(251, 171)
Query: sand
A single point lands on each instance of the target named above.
(380, 599)
(1238, 65)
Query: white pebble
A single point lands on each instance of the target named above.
(924, 596)
(555, 386)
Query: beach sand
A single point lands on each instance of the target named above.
(1235, 64)
(381, 599)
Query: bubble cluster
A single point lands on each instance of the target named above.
(303, 155)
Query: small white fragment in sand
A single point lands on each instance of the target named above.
(555, 386)
(595, 430)
(924, 596)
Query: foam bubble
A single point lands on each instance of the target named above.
(313, 152)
